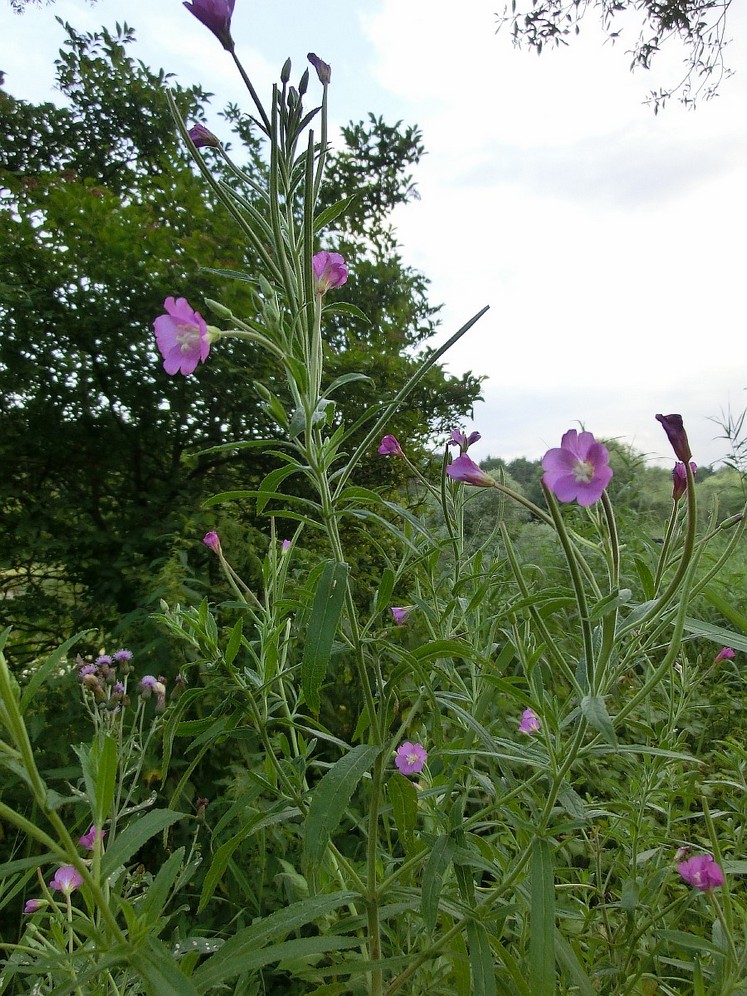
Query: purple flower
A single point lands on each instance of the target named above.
(725, 654)
(577, 470)
(458, 438)
(329, 271)
(86, 669)
(323, 70)
(465, 469)
(88, 840)
(215, 15)
(104, 659)
(122, 655)
(410, 758)
(702, 872)
(679, 479)
(66, 880)
(148, 684)
(675, 430)
(32, 906)
(530, 723)
(212, 541)
(182, 337)
(285, 546)
(390, 447)
(400, 614)
(202, 137)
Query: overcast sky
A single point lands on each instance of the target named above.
(608, 242)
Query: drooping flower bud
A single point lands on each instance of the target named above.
(675, 430)
(203, 137)
(215, 15)
(323, 69)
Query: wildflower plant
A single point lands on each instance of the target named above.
(491, 806)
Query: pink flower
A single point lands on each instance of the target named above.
(203, 137)
(679, 479)
(675, 430)
(400, 614)
(32, 906)
(212, 541)
(123, 655)
(458, 438)
(88, 839)
(410, 758)
(323, 69)
(530, 723)
(577, 470)
(182, 337)
(215, 15)
(465, 469)
(702, 872)
(390, 447)
(285, 546)
(725, 654)
(329, 271)
(66, 880)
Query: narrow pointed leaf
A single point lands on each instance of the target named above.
(325, 615)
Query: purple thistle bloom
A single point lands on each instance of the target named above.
(104, 659)
(389, 446)
(410, 758)
(212, 541)
(675, 430)
(466, 470)
(530, 723)
(577, 470)
(32, 906)
(182, 337)
(679, 479)
(329, 271)
(725, 654)
(86, 669)
(215, 15)
(67, 880)
(702, 872)
(323, 69)
(400, 614)
(88, 840)
(203, 137)
(123, 655)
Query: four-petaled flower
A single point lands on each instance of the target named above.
(323, 69)
(182, 337)
(725, 654)
(679, 479)
(212, 541)
(458, 438)
(410, 758)
(466, 470)
(329, 271)
(577, 470)
(389, 446)
(675, 430)
(215, 15)
(203, 138)
(530, 723)
(400, 614)
(88, 840)
(66, 880)
(702, 872)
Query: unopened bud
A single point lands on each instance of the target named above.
(285, 72)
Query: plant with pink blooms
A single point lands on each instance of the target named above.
(182, 337)
(578, 470)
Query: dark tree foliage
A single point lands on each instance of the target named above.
(699, 26)
(102, 215)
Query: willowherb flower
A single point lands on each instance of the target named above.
(329, 271)
(400, 614)
(702, 872)
(32, 906)
(577, 470)
(182, 337)
(212, 541)
(410, 758)
(203, 138)
(215, 15)
(88, 840)
(679, 479)
(66, 880)
(323, 69)
(389, 446)
(675, 430)
(725, 654)
(285, 546)
(458, 438)
(530, 723)
(466, 470)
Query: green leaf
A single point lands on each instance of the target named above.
(156, 966)
(438, 862)
(331, 797)
(268, 487)
(156, 895)
(727, 610)
(41, 673)
(716, 634)
(645, 577)
(322, 626)
(595, 713)
(610, 602)
(404, 798)
(481, 960)
(135, 835)
(234, 641)
(347, 378)
(571, 966)
(542, 919)
(386, 587)
(105, 759)
(334, 211)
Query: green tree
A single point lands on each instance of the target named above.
(102, 215)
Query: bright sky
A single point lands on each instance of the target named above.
(608, 242)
